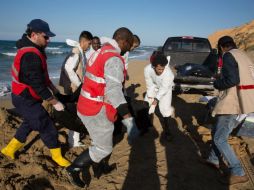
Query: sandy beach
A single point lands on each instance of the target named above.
(150, 164)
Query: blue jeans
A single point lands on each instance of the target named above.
(220, 147)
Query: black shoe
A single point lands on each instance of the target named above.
(82, 162)
(97, 170)
(102, 168)
(86, 176)
(109, 168)
(73, 176)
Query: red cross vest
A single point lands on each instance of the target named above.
(17, 86)
(92, 97)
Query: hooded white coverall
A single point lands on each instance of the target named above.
(99, 127)
(160, 87)
(70, 65)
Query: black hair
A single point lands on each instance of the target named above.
(136, 38)
(219, 50)
(86, 34)
(227, 42)
(96, 37)
(230, 45)
(158, 58)
(29, 32)
(123, 34)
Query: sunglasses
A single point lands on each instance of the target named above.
(46, 37)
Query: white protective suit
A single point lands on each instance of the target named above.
(98, 126)
(70, 65)
(160, 87)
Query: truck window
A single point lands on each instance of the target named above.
(189, 45)
(201, 46)
(174, 46)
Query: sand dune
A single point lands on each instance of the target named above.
(243, 36)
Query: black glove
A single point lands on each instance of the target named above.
(74, 97)
(63, 98)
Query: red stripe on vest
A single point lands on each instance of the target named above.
(245, 87)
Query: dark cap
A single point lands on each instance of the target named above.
(225, 40)
(39, 25)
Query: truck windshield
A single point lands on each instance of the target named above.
(189, 45)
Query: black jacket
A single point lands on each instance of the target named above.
(31, 72)
(229, 73)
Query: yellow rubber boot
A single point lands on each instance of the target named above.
(11, 148)
(58, 158)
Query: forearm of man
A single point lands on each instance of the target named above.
(150, 86)
(31, 73)
(70, 65)
(230, 73)
(114, 78)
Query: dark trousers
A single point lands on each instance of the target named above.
(35, 118)
(165, 121)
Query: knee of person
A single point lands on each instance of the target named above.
(43, 124)
(218, 140)
(48, 131)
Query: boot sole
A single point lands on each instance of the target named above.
(70, 179)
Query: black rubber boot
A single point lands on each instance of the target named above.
(82, 162)
(103, 167)
(166, 129)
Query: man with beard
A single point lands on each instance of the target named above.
(30, 86)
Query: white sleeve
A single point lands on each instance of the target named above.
(166, 85)
(114, 77)
(70, 65)
(126, 59)
(150, 86)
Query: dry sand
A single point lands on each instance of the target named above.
(150, 164)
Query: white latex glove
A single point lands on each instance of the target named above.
(59, 106)
(151, 109)
(132, 129)
(168, 58)
(150, 101)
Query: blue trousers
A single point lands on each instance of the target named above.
(35, 118)
(220, 147)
